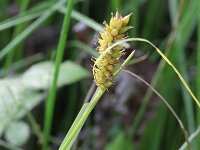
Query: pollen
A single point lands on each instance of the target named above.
(114, 31)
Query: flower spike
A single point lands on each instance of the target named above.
(104, 70)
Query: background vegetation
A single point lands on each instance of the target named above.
(35, 112)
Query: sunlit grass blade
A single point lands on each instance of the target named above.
(162, 55)
(167, 104)
(49, 109)
(187, 25)
(186, 97)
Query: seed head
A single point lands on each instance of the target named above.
(114, 31)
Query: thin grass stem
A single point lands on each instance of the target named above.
(59, 56)
(85, 111)
(161, 54)
(191, 138)
(185, 133)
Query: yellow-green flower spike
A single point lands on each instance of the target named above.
(114, 31)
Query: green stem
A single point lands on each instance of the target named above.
(85, 111)
(66, 142)
(59, 56)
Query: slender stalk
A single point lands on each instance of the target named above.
(161, 54)
(59, 56)
(191, 138)
(71, 135)
(85, 111)
(166, 103)
(176, 29)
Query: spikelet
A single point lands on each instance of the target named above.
(105, 68)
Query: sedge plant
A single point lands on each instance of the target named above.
(107, 66)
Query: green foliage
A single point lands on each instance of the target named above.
(172, 25)
(42, 75)
(17, 133)
(49, 109)
(22, 92)
(121, 141)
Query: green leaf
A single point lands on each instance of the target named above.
(15, 100)
(17, 133)
(71, 73)
(18, 95)
(120, 142)
(39, 76)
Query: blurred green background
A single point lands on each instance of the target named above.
(129, 116)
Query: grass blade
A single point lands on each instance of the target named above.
(29, 15)
(149, 24)
(198, 74)
(187, 25)
(80, 120)
(162, 55)
(59, 56)
(23, 35)
(18, 29)
(82, 18)
(87, 108)
(166, 103)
